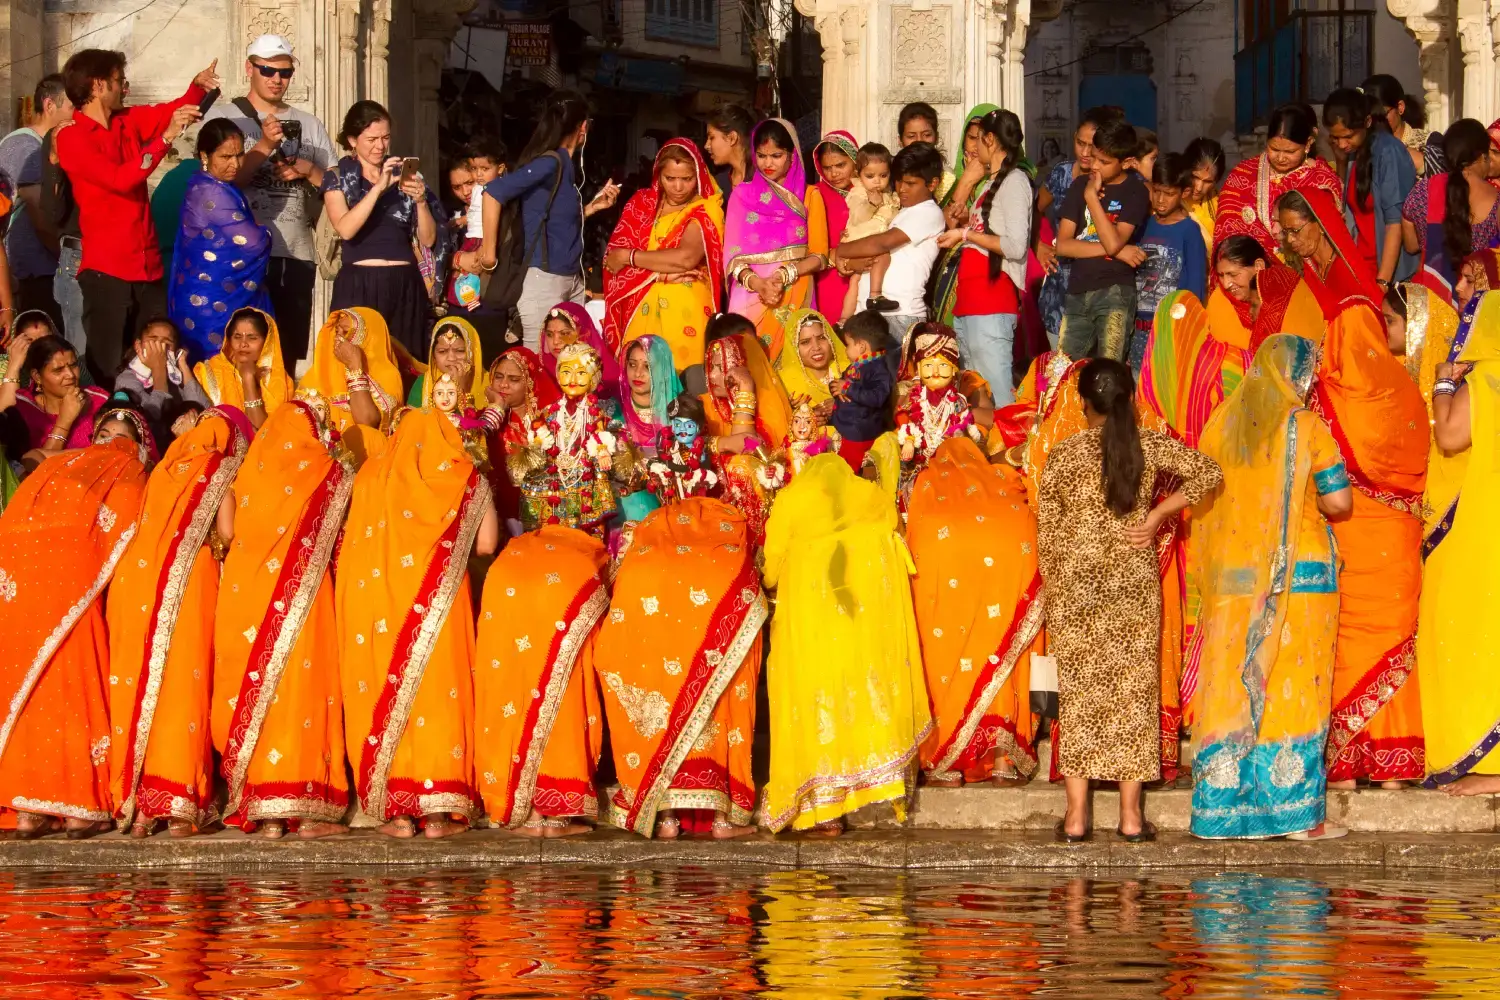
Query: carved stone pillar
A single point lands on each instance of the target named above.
(346, 66)
(1479, 67)
(377, 51)
(847, 90)
(1013, 58)
(985, 60)
(1433, 24)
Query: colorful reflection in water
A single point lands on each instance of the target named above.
(696, 933)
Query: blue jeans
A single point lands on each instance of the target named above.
(68, 295)
(898, 324)
(987, 344)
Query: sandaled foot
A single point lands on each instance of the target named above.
(314, 831)
(1473, 784)
(438, 827)
(1323, 831)
(949, 780)
(402, 828)
(667, 828)
(30, 826)
(1144, 835)
(82, 829)
(725, 830)
(179, 828)
(273, 829)
(1062, 836)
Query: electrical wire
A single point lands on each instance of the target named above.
(1114, 45)
(92, 31)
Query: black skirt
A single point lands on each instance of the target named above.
(394, 291)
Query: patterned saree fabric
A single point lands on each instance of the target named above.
(451, 326)
(678, 661)
(1270, 605)
(1188, 370)
(538, 725)
(161, 630)
(640, 302)
(277, 713)
(1458, 651)
(1378, 418)
(221, 380)
(406, 621)
(60, 539)
(1247, 203)
(218, 264)
(977, 594)
(847, 693)
(796, 378)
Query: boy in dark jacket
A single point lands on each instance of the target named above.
(862, 397)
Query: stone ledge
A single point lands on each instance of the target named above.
(884, 849)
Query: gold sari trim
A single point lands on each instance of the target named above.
(433, 620)
(314, 810)
(56, 637)
(1417, 317)
(557, 685)
(718, 683)
(769, 257)
(291, 629)
(167, 608)
(831, 789)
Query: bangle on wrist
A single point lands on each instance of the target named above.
(254, 404)
(1444, 387)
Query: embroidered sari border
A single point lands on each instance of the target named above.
(1381, 683)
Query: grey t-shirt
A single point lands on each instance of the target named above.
(21, 163)
(279, 205)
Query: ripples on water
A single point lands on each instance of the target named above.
(694, 933)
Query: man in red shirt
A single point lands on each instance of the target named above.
(108, 152)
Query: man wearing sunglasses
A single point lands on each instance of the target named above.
(286, 152)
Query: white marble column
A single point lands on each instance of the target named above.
(377, 51)
(1432, 24)
(1479, 67)
(987, 22)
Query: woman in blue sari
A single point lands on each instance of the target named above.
(219, 263)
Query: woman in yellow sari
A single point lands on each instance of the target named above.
(538, 725)
(354, 368)
(1268, 575)
(454, 350)
(678, 661)
(248, 372)
(665, 264)
(406, 620)
(815, 359)
(1456, 645)
(60, 538)
(161, 766)
(277, 714)
(977, 595)
(847, 694)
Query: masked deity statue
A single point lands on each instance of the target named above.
(681, 467)
(563, 469)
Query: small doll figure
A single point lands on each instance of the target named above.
(681, 469)
(930, 408)
(808, 435)
(563, 468)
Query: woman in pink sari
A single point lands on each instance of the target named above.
(833, 159)
(774, 242)
(570, 323)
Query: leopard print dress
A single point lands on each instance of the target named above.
(1104, 605)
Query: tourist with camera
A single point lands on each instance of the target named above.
(286, 151)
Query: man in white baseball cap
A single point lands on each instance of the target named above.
(286, 150)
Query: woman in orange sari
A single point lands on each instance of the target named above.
(60, 538)
(977, 595)
(1379, 419)
(406, 620)
(248, 372)
(678, 661)
(277, 715)
(354, 368)
(161, 766)
(746, 414)
(538, 725)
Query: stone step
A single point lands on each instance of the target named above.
(1039, 806)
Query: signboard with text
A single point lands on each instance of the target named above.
(530, 43)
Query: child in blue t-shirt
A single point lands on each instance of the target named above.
(1175, 254)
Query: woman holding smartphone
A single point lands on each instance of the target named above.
(387, 219)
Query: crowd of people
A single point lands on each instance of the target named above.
(876, 453)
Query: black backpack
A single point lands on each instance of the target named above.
(501, 288)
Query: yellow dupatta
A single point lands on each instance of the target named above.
(475, 356)
(327, 377)
(221, 379)
(795, 377)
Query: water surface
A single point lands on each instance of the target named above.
(696, 933)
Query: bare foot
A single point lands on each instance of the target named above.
(725, 830)
(667, 828)
(1394, 786)
(402, 828)
(1002, 781)
(949, 780)
(1343, 786)
(142, 828)
(273, 829)
(832, 828)
(1473, 784)
(313, 831)
(565, 828)
(438, 826)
